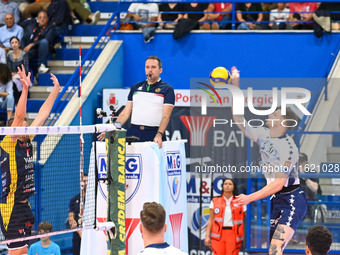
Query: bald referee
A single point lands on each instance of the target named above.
(150, 104)
(17, 170)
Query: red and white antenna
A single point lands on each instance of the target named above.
(82, 190)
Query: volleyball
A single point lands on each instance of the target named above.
(220, 76)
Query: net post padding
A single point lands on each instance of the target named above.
(116, 148)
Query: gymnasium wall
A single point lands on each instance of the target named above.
(257, 55)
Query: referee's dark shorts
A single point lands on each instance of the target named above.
(145, 133)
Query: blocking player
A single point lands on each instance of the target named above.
(279, 156)
(17, 169)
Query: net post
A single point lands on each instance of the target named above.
(115, 147)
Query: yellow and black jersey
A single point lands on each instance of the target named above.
(17, 174)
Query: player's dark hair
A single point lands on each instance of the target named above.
(156, 58)
(235, 191)
(153, 216)
(46, 226)
(290, 115)
(5, 74)
(319, 240)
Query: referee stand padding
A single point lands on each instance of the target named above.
(151, 174)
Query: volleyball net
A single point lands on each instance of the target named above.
(46, 166)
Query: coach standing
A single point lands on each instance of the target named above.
(150, 104)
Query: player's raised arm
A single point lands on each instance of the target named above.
(46, 108)
(235, 81)
(20, 112)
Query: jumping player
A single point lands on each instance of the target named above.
(279, 156)
(17, 169)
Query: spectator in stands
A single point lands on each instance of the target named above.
(266, 8)
(196, 11)
(7, 6)
(73, 217)
(45, 246)
(79, 10)
(22, 6)
(59, 15)
(6, 90)
(34, 8)
(309, 185)
(249, 21)
(169, 7)
(302, 12)
(279, 17)
(7, 32)
(16, 58)
(327, 20)
(3, 56)
(153, 228)
(219, 17)
(144, 13)
(40, 41)
(318, 240)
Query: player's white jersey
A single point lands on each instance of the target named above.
(278, 154)
(161, 249)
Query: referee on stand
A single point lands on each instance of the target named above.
(150, 104)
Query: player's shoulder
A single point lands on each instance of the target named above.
(161, 248)
(175, 251)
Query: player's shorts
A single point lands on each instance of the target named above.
(288, 208)
(20, 225)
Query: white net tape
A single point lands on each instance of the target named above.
(99, 128)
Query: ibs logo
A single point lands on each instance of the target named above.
(174, 173)
(133, 175)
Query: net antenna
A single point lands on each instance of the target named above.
(81, 172)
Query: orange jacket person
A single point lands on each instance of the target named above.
(225, 226)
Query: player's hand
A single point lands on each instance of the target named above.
(73, 223)
(55, 82)
(101, 137)
(235, 76)
(242, 200)
(207, 241)
(25, 79)
(158, 140)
